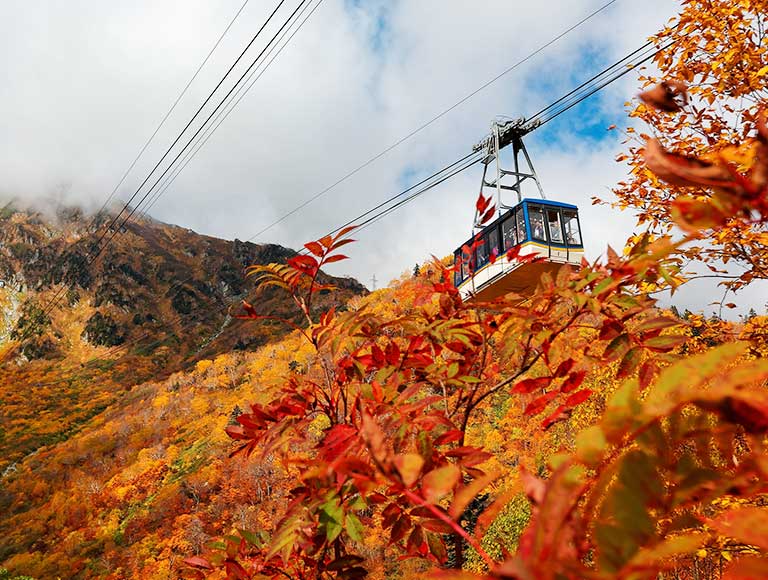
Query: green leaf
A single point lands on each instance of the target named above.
(616, 348)
(331, 518)
(436, 547)
(439, 482)
(602, 286)
(664, 343)
(658, 323)
(287, 533)
(683, 380)
(629, 363)
(354, 527)
(622, 412)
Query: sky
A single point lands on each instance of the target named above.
(86, 82)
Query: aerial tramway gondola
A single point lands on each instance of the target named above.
(546, 232)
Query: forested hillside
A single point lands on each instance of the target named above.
(75, 336)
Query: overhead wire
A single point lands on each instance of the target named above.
(427, 123)
(200, 129)
(282, 31)
(169, 112)
(372, 215)
(428, 183)
(577, 95)
(592, 90)
(127, 204)
(94, 221)
(225, 112)
(204, 138)
(117, 230)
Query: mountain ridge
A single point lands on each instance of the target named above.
(157, 299)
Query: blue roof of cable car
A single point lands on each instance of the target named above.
(549, 202)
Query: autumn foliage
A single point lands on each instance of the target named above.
(671, 467)
(581, 431)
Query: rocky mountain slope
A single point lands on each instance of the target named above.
(159, 298)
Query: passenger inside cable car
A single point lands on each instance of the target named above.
(547, 230)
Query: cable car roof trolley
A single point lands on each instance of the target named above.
(548, 230)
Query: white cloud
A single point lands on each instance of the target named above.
(88, 81)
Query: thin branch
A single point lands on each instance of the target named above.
(442, 516)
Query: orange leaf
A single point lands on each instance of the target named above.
(315, 247)
(439, 482)
(695, 214)
(748, 525)
(685, 170)
(669, 96)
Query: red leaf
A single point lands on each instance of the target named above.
(198, 562)
(564, 367)
(539, 404)
(513, 253)
(482, 203)
(488, 214)
(749, 412)
(573, 382)
(336, 258)
(527, 386)
(315, 248)
(337, 440)
(345, 231)
(303, 263)
(578, 397)
(647, 372)
(341, 243)
(236, 432)
(449, 437)
(438, 526)
(560, 414)
(401, 527)
(250, 310)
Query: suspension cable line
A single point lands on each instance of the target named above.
(189, 123)
(235, 99)
(168, 113)
(429, 122)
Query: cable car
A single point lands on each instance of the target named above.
(539, 228)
